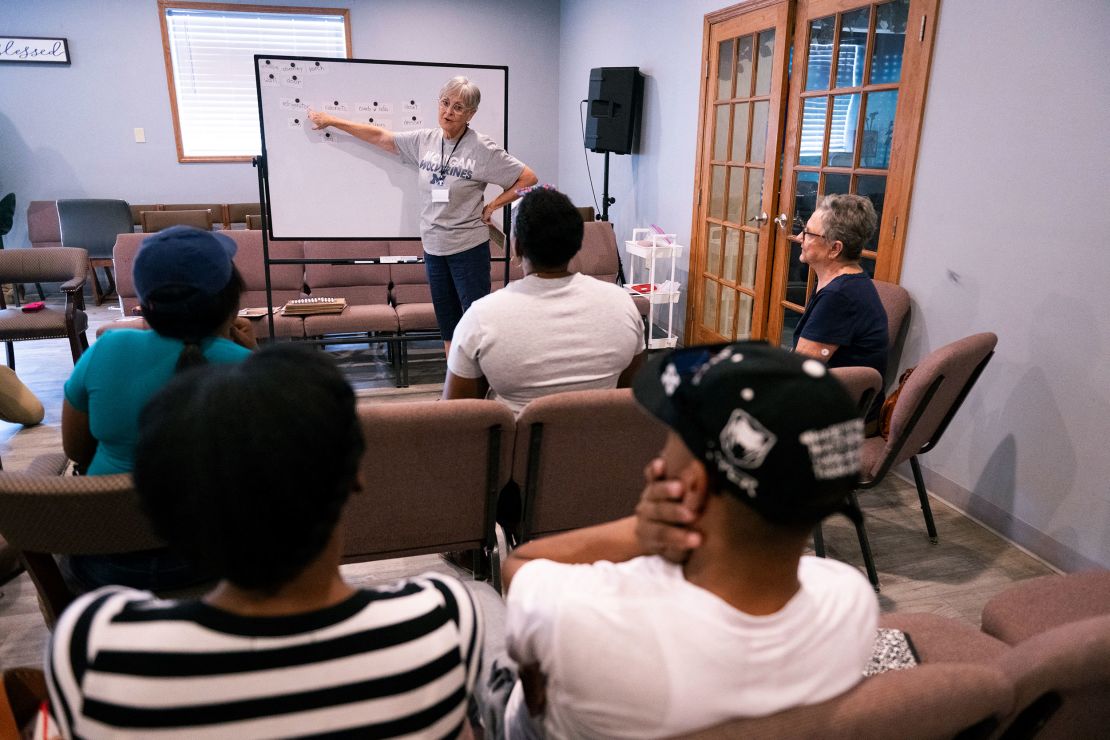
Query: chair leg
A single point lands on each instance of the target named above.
(403, 378)
(109, 273)
(42, 295)
(10, 347)
(818, 541)
(98, 293)
(865, 548)
(77, 346)
(926, 509)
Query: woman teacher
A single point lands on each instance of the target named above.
(455, 164)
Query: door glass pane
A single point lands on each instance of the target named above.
(735, 194)
(747, 262)
(878, 129)
(755, 196)
(813, 131)
(835, 183)
(732, 253)
(709, 310)
(890, 37)
(797, 276)
(744, 320)
(720, 133)
(740, 132)
(744, 66)
(820, 53)
(853, 47)
(874, 187)
(717, 193)
(789, 321)
(728, 312)
(724, 70)
(868, 266)
(842, 132)
(759, 130)
(805, 196)
(713, 252)
(765, 62)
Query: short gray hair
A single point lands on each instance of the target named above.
(464, 89)
(849, 219)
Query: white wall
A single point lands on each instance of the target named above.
(1008, 233)
(664, 40)
(66, 132)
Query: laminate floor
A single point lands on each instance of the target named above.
(953, 578)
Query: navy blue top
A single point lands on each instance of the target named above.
(848, 313)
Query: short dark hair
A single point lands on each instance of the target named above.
(186, 314)
(245, 468)
(849, 219)
(548, 228)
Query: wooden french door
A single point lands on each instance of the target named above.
(847, 99)
(738, 174)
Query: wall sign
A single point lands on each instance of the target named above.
(34, 50)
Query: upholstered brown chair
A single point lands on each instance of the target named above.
(43, 229)
(928, 402)
(599, 258)
(50, 264)
(253, 221)
(157, 220)
(431, 474)
(47, 515)
(137, 211)
(93, 224)
(10, 562)
(862, 383)
(218, 210)
(1040, 604)
(896, 303)
(579, 459)
(237, 212)
(1061, 682)
(365, 287)
(929, 701)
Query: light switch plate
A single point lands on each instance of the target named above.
(140, 136)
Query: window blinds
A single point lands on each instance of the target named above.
(212, 57)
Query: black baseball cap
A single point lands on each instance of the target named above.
(774, 428)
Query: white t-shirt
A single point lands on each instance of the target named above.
(539, 336)
(633, 650)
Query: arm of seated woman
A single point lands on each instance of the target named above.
(818, 350)
(78, 441)
(456, 386)
(626, 376)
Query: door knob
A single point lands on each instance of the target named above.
(760, 219)
(781, 220)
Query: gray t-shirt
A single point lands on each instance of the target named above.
(538, 336)
(455, 226)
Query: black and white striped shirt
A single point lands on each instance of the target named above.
(395, 661)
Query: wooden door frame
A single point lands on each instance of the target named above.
(775, 118)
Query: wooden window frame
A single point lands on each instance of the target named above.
(164, 5)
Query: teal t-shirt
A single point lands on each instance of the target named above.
(115, 378)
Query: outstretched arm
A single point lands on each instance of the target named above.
(368, 132)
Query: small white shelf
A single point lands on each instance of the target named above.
(645, 249)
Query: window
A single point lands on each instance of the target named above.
(210, 52)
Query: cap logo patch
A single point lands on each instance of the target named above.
(670, 379)
(744, 441)
(834, 450)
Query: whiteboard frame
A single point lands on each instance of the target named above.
(264, 173)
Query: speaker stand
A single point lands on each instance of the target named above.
(606, 201)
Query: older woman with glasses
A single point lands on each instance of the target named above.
(454, 164)
(844, 324)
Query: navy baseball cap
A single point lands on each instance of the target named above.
(774, 428)
(197, 262)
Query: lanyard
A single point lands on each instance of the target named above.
(442, 161)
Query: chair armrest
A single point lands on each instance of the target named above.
(73, 285)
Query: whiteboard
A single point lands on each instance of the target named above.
(328, 184)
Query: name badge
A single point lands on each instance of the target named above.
(440, 195)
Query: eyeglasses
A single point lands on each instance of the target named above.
(456, 108)
(803, 233)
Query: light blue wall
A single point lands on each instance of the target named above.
(67, 132)
(1008, 233)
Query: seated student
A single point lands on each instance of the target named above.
(552, 331)
(246, 468)
(613, 641)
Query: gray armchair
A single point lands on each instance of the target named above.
(93, 224)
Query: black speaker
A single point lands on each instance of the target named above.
(613, 111)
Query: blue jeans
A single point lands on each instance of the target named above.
(457, 280)
(149, 570)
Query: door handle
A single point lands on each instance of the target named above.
(761, 219)
(780, 220)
